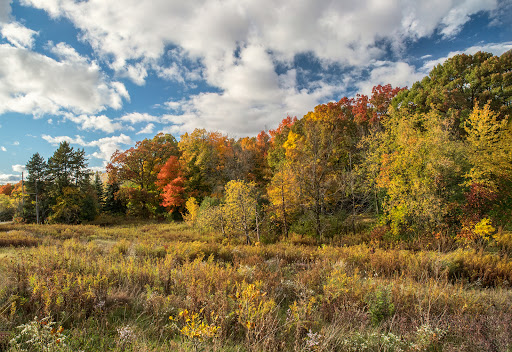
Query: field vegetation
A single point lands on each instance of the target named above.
(160, 287)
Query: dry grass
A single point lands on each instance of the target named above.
(288, 296)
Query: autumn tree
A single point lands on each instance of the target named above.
(137, 169)
(367, 112)
(421, 170)
(276, 152)
(240, 208)
(7, 203)
(489, 152)
(211, 215)
(6, 189)
(249, 160)
(171, 182)
(68, 206)
(282, 193)
(7, 208)
(68, 184)
(192, 208)
(318, 149)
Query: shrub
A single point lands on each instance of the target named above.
(17, 238)
(380, 305)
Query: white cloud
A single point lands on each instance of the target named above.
(9, 178)
(18, 168)
(461, 12)
(338, 31)
(137, 117)
(148, 129)
(36, 84)
(178, 71)
(97, 168)
(16, 143)
(236, 45)
(5, 10)
(58, 140)
(67, 53)
(2, 148)
(98, 123)
(18, 35)
(398, 74)
(107, 146)
(253, 96)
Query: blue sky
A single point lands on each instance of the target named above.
(103, 74)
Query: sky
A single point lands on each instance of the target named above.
(104, 74)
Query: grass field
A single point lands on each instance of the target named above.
(167, 287)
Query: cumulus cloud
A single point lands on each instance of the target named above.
(18, 35)
(253, 96)
(33, 83)
(236, 46)
(18, 168)
(398, 74)
(9, 178)
(461, 12)
(338, 31)
(107, 146)
(148, 129)
(98, 123)
(2, 148)
(59, 139)
(5, 10)
(137, 117)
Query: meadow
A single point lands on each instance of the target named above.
(169, 287)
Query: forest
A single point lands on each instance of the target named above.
(432, 160)
(374, 223)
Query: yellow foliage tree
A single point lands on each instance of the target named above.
(240, 207)
(283, 195)
(490, 148)
(192, 211)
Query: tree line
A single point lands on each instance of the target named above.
(433, 159)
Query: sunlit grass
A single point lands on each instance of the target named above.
(294, 295)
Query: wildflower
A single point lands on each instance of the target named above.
(126, 333)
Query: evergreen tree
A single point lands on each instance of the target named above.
(36, 185)
(99, 190)
(67, 168)
(68, 184)
(113, 203)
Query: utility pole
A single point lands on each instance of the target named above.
(22, 195)
(37, 206)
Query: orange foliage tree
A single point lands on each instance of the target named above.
(171, 182)
(138, 167)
